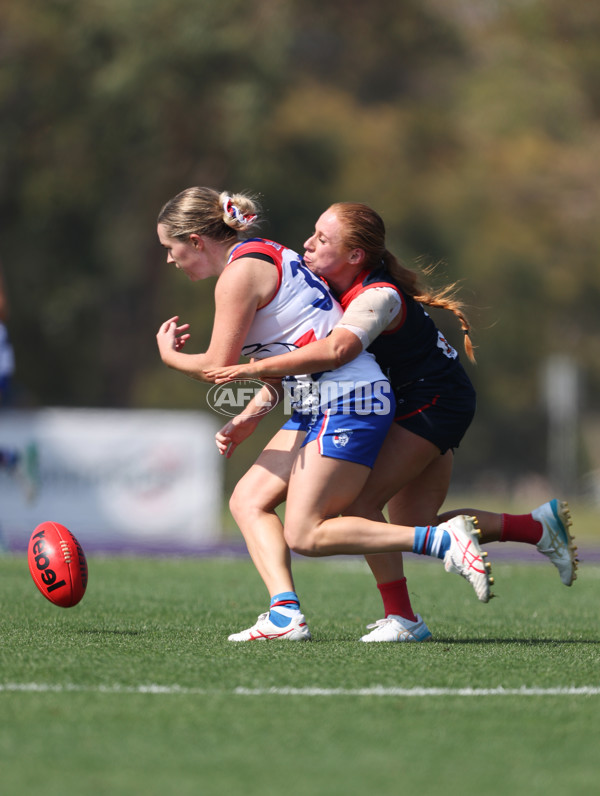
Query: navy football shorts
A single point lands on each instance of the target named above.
(439, 411)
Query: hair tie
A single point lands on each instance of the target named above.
(232, 211)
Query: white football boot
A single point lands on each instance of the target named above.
(397, 628)
(557, 542)
(265, 630)
(465, 556)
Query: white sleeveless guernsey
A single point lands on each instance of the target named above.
(302, 310)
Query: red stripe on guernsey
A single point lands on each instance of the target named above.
(419, 410)
(261, 246)
(306, 338)
(357, 287)
(322, 432)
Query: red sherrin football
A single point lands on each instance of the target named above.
(57, 564)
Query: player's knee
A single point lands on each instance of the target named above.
(248, 500)
(304, 541)
(245, 500)
(234, 504)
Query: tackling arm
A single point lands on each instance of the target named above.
(365, 318)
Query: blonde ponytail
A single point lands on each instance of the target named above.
(204, 211)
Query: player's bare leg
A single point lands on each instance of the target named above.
(253, 505)
(321, 487)
(415, 503)
(548, 527)
(412, 478)
(490, 522)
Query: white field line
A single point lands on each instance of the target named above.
(373, 691)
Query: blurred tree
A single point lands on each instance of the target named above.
(472, 128)
(107, 109)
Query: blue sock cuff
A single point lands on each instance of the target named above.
(421, 532)
(430, 538)
(285, 596)
(278, 614)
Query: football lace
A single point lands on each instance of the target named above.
(66, 552)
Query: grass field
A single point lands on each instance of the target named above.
(137, 691)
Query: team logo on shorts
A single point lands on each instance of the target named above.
(341, 437)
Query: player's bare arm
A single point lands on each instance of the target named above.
(240, 427)
(340, 347)
(242, 288)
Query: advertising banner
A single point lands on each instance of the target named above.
(120, 480)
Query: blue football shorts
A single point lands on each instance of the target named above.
(345, 430)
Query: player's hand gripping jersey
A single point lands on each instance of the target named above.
(302, 310)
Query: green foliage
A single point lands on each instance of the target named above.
(472, 128)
